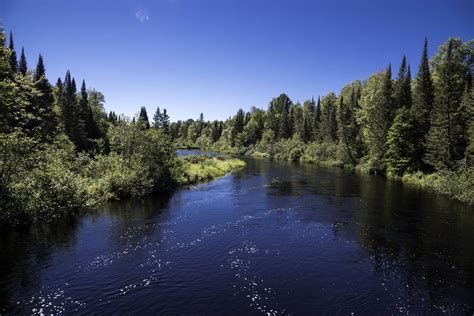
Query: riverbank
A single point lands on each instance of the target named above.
(53, 182)
(205, 168)
(457, 184)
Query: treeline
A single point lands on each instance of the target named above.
(395, 125)
(60, 152)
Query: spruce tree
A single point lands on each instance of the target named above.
(70, 112)
(13, 57)
(402, 87)
(165, 121)
(400, 148)
(316, 128)
(285, 122)
(22, 66)
(387, 93)
(444, 146)
(157, 119)
(468, 106)
(92, 131)
(44, 102)
(423, 98)
(143, 118)
(328, 118)
(375, 115)
(343, 132)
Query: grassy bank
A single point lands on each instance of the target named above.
(456, 184)
(44, 182)
(203, 168)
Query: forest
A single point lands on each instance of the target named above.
(419, 131)
(60, 152)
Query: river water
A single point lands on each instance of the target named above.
(274, 238)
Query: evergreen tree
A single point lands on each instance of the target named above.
(285, 127)
(157, 119)
(423, 97)
(92, 131)
(445, 143)
(316, 128)
(22, 66)
(348, 129)
(13, 57)
(44, 103)
(165, 121)
(308, 115)
(375, 116)
(467, 105)
(344, 121)
(143, 118)
(328, 118)
(70, 112)
(387, 93)
(5, 69)
(400, 149)
(402, 86)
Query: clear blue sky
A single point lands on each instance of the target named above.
(194, 56)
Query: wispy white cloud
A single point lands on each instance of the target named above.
(142, 15)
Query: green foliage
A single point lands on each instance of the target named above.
(374, 117)
(400, 151)
(203, 168)
(288, 149)
(446, 143)
(454, 183)
(13, 58)
(322, 154)
(22, 65)
(423, 98)
(143, 118)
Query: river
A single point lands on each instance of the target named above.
(274, 238)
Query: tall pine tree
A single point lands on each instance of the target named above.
(22, 65)
(13, 57)
(423, 98)
(444, 143)
(143, 118)
(44, 102)
(316, 128)
(157, 118)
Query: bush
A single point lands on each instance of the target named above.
(202, 168)
(458, 184)
(288, 149)
(322, 153)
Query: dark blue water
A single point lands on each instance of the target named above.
(274, 238)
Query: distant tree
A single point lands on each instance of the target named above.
(375, 117)
(143, 118)
(165, 121)
(328, 126)
(423, 98)
(44, 103)
(13, 57)
(157, 118)
(445, 143)
(400, 147)
(402, 87)
(468, 105)
(22, 66)
(72, 118)
(316, 128)
(238, 123)
(285, 125)
(92, 131)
